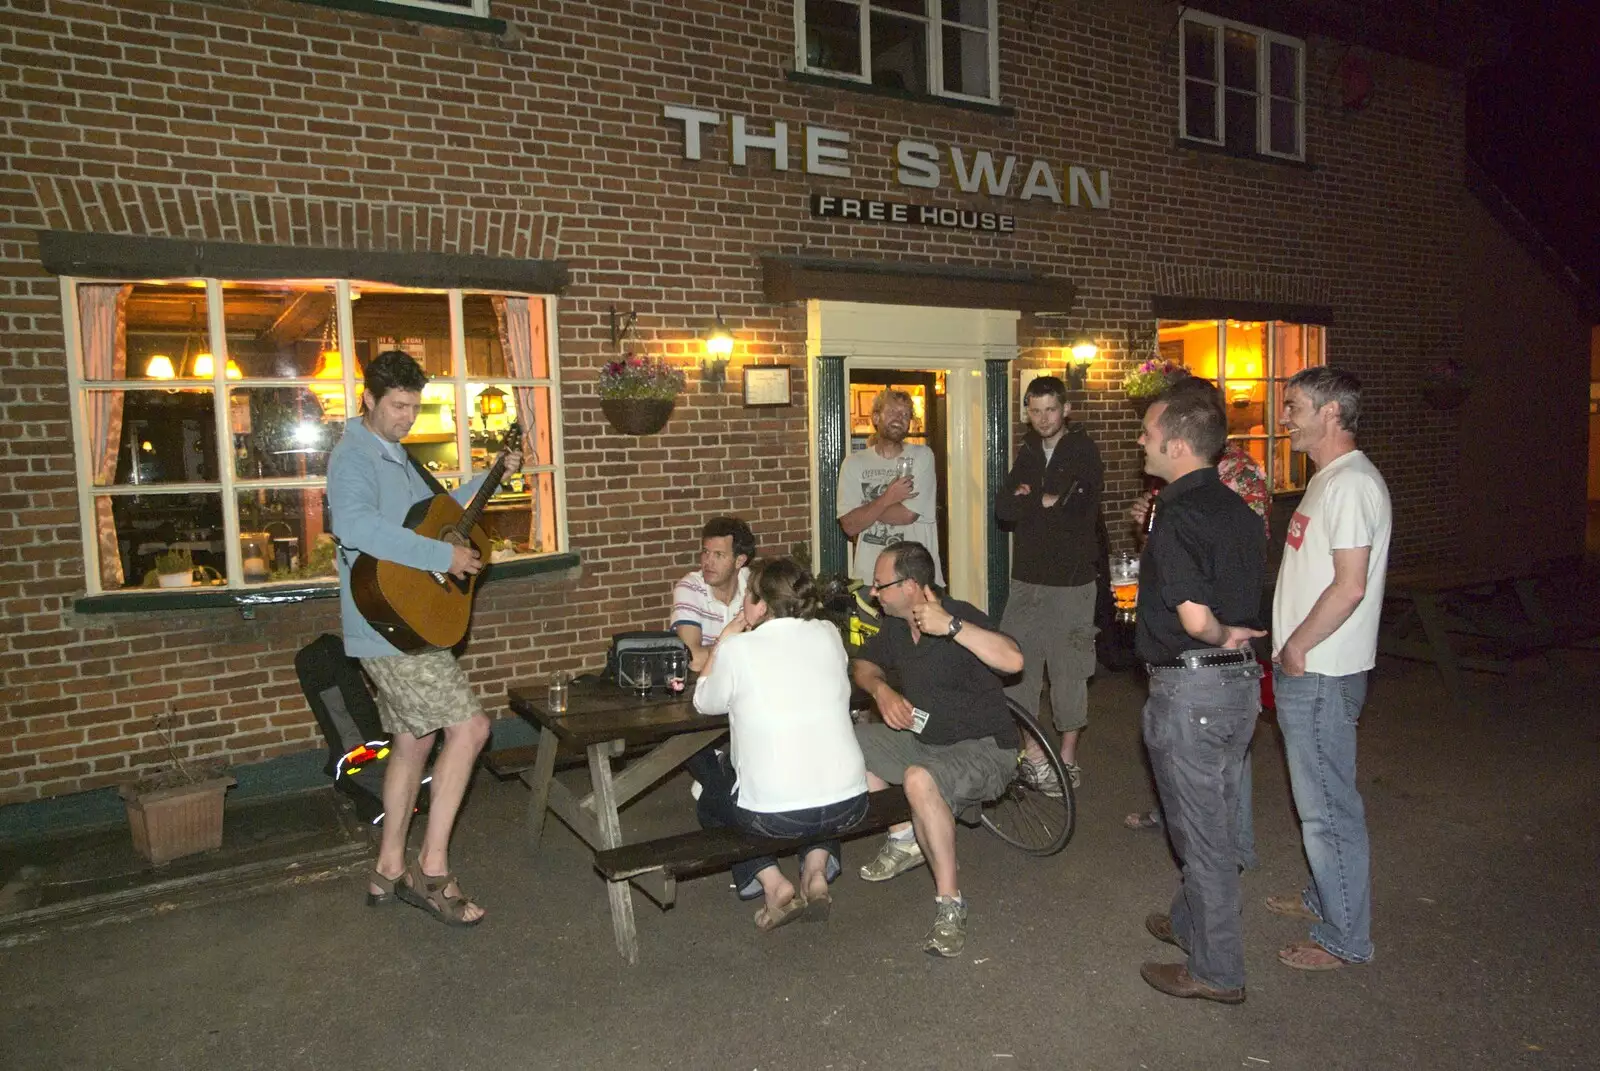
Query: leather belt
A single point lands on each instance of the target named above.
(1208, 660)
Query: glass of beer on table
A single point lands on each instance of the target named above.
(1125, 584)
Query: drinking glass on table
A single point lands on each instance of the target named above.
(643, 679)
(559, 691)
(1125, 584)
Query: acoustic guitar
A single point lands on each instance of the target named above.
(417, 608)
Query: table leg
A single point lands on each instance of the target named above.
(610, 830)
(538, 779)
(1444, 654)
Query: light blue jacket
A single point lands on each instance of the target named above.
(370, 491)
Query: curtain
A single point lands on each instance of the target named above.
(515, 321)
(103, 338)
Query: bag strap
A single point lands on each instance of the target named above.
(427, 477)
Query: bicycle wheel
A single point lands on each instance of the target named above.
(1025, 816)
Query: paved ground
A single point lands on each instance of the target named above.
(1486, 832)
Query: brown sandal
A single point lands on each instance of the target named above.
(768, 919)
(427, 891)
(388, 895)
(1309, 956)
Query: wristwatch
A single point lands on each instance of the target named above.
(955, 627)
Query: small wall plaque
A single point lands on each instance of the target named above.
(767, 385)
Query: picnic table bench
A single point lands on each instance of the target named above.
(1474, 618)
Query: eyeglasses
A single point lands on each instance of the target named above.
(880, 587)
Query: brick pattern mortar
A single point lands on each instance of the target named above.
(267, 121)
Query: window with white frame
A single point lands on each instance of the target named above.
(205, 410)
(1241, 87)
(1250, 362)
(479, 8)
(943, 48)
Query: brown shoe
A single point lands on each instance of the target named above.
(1292, 906)
(1174, 980)
(1160, 927)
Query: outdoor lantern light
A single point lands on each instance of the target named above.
(492, 401)
(1084, 351)
(719, 349)
(720, 342)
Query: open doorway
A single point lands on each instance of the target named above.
(929, 424)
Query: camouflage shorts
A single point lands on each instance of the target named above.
(419, 694)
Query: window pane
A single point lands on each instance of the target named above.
(1239, 121)
(492, 322)
(974, 13)
(418, 323)
(1283, 70)
(139, 535)
(433, 437)
(833, 36)
(910, 7)
(899, 53)
(1285, 127)
(494, 407)
(160, 436)
(524, 521)
(1289, 473)
(1200, 111)
(966, 62)
(1255, 447)
(1239, 59)
(165, 330)
(1246, 348)
(281, 330)
(281, 432)
(1191, 343)
(283, 535)
(1199, 51)
(1246, 406)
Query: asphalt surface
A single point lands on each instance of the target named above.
(1486, 839)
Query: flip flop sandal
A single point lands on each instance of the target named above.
(387, 896)
(1309, 956)
(768, 920)
(427, 892)
(1143, 820)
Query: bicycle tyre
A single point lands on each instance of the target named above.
(1023, 816)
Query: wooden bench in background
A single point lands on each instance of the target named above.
(707, 850)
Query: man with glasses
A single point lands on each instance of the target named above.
(889, 492)
(946, 734)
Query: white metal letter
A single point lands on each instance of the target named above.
(919, 164)
(1078, 178)
(1041, 180)
(778, 143)
(693, 119)
(983, 169)
(817, 151)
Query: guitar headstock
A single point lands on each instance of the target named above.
(511, 438)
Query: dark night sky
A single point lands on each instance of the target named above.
(1533, 122)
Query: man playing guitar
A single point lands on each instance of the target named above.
(372, 485)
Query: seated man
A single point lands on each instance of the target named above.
(946, 733)
(708, 599)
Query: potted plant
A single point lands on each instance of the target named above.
(175, 569)
(1447, 386)
(637, 393)
(176, 810)
(1146, 382)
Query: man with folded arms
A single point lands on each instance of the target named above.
(946, 733)
(1199, 598)
(1325, 634)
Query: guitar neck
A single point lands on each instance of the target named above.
(474, 510)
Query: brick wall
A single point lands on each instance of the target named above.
(274, 122)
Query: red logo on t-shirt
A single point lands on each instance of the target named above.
(1297, 530)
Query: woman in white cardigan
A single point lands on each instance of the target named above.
(782, 677)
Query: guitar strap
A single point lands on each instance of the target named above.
(427, 478)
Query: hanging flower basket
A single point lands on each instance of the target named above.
(1448, 385)
(638, 416)
(1144, 384)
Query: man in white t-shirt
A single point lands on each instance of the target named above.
(1325, 639)
(889, 492)
(708, 598)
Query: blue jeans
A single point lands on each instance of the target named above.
(716, 809)
(1318, 717)
(1197, 725)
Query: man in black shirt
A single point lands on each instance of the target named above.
(946, 733)
(1050, 503)
(1199, 605)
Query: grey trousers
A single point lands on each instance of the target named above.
(1055, 629)
(1197, 725)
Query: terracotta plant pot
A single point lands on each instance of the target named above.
(638, 416)
(1445, 396)
(170, 823)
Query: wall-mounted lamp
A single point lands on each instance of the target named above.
(492, 402)
(1083, 350)
(719, 349)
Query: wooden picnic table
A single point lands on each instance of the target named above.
(604, 720)
(1508, 619)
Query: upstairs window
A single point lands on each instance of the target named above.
(479, 8)
(942, 48)
(1241, 88)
